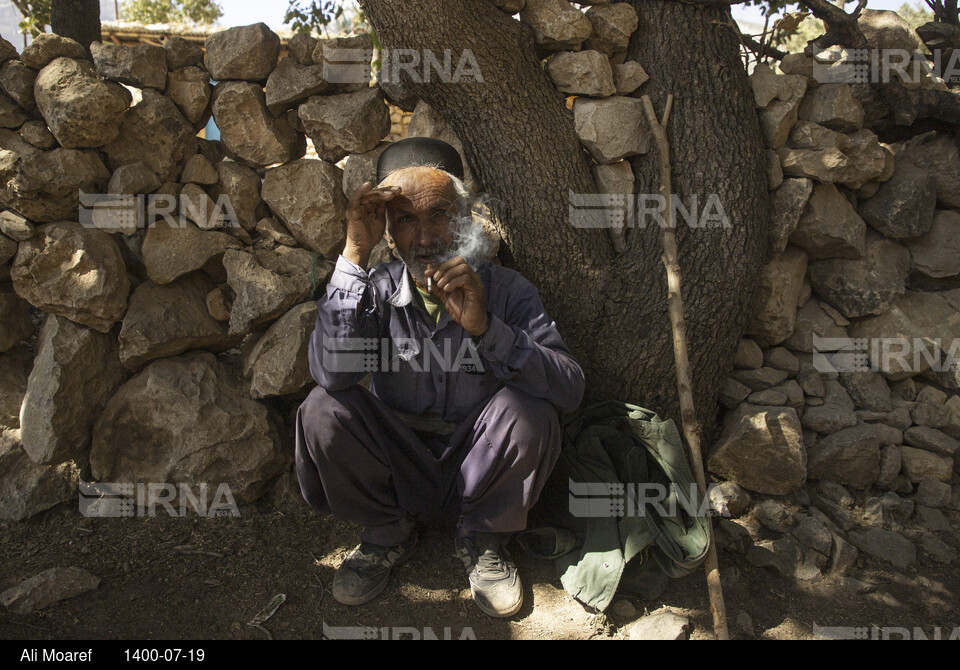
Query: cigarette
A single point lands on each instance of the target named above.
(429, 281)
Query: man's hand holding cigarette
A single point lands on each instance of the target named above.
(459, 288)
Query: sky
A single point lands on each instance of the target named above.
(245, 12)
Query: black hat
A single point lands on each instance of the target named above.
(419, 151)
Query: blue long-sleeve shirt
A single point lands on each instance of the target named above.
(375, 322)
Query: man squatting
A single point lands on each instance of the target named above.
(426, 446)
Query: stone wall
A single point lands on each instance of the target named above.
(846, 448)
(137, 345)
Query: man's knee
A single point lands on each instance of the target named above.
(324, 415)
(532, 422)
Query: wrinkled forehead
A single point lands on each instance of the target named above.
(421, 187)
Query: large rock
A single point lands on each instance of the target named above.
(241, 185)
(11, 114)
(345, 123)
(247, 128)
(885, 29)
(300, 47)
(809, 135)
(663, 624)
(17, 142)
(920, 464)
(190, 90)
(628, 77)
(81, 109)
(292, 83)
(16, 227)
(73, 272)
(155, 132)
(245, 52)
(865, 286)
(47, 187)
(268, 283)
(939, 155)
(863, 160)
(830, 226)
(75, 372)
(169, 319)
(780, 113)
(181, 53)
(46, 47)
(850, 457)
(931, 439)
(15, 321)
(611, 128)
(17, 81)
(557, 25)
(904, 205)
(133, 179)
(775, 303)
(307, 196)
(833, 106)
(868, 390)
(768, 86)
(613, 25)
(26, 488)
(278, 363)
(183, 420)
(139, 65)
(885, 545)
(836, 413)
(762, 450)
(936, 253)
(48, 588)
(582, 73)
(172, 251)
(7, 51)
(789, 202)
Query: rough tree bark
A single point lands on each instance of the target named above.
(77, 19)
(519, 138)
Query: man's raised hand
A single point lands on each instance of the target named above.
(366, 220)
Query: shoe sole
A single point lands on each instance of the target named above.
(494, 613)
(361, 600)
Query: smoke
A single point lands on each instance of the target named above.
(470, 241)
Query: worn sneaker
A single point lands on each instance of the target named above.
(364, 573)
(494, 581)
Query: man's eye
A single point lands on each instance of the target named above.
(404, 219)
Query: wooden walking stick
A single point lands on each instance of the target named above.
(691, 426)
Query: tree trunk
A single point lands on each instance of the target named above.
(520, 141)
(77, 19)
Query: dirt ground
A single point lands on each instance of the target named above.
(205, 578)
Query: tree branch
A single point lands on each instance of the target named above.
(766, 50)
(842, 27)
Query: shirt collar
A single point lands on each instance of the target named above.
(405, 292)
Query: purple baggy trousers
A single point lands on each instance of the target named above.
(357, 460)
